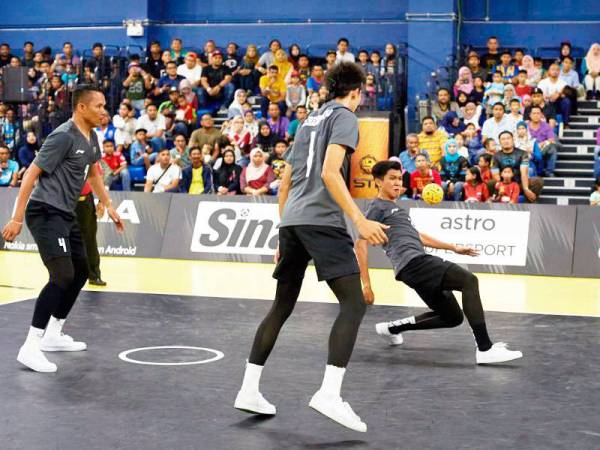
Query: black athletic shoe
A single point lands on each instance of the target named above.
(97, 282)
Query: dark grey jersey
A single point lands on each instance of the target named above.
(404, 242)
(65, 159)
(309, 201)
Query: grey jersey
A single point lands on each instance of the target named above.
(309, 201)
(65, 159)
(404, 242)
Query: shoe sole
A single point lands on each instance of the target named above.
(29, 366)
(250, 410)
(512, 358)
(62, 349)
(314, 405)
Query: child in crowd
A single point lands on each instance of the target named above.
(514, 113)
(142, 153)
(460, 143)
(475, 190)
(595, 197)
(506, 69)
(277, 163)
(295, 94)
(485, 162)
(507, 190)
(489, 148)
(494, 93)
(478, 90)
(471, 113)
(527, 102)
(472, 141)
(423, 176)
(522, 88)
(369, 94)
(453, 171)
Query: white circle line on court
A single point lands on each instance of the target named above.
(125, 355)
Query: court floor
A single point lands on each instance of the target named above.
(168, 339)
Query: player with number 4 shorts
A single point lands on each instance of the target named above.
(46, 201)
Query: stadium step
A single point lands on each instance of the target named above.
(568, 192)
(563, 200)
(569, 150)
(568, 182)
(582, 134)
(574, 173)
(574, 164)
(569, 140)
(583, 126)
(588, 111)
(588, 104)
(576, 156)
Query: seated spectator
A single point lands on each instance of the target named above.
(524, 141)
(28, 151)
(240, 138)
(484, 166)
(369, 94)
(9, 169)
(478, 90)
(498, 123)
(155, 126)
(471, 114)
(432, 140)
(464, 82)
(114, 167)
(99, 63)
(227, 176)
(277, 162)
(205, 58)
(176, 52)
(509, 95)
(553, 88)
(473, 63)
(591, 70)
(217, 89)
(494, 93)
(316, 79)
(514, 111)
(70, 78)
(490, 147)
(544, 135)
(190, 69)
(196, 178)
(168, 81)
(492, 58)
(460, 145)
(137, 84)
(522, 88)
(301, 114)
(265, 139)
(163, 176)
(539, 65)
(185, 117)
(154, 63)
(272, 90)
(364, 62)
(268, 58)
(257, 176)
(106, 130)
(303, 69)
(472, 141)
(475, 190)
(313, 103)
(453, 170)
(452, 124)
(405, 190)
(295, 94)
(534, 75)
(142, 152)
(186, 91)
(207, 135)
(251, 124)
(294, 55)
(342, 53)
(323, 94)
(284, 66)
(518, 58)
(180, 154)
(125, 126)
(232, 59)
(548, 111)
(330, 60)
(595, 197)
(423, 176)
(247, 76)
(443, 104)
(571, 79)
(597, 154)
(506, 68)
(506, 190)
(407, 157)
(461, 100)
(240, 104)
(518, 161)
(278, 122)
(376, 64)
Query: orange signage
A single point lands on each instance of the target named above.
(373, 146)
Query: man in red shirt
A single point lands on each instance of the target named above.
(115, 166)
(423, 176)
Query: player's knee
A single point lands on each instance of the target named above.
(471, 281)
(62, 272)
(454, 319)
(81, 270)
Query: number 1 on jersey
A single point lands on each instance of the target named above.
(311, 152)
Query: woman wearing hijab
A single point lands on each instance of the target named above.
(452, 123)
(265, 139)
(228, 175)
(257, 176)
(591, 68)
(28, 151)
(240, 104)
(294, 53)
(464, 83)
(534, 75)
(186, 91)
(282, 63)
(239, 137)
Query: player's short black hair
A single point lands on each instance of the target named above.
(343, 78)
(536, 107)
(498, 104)
(97, 44)
(301, 107)
(274, 67)
(427, 118)
(281, 141)
(515, 100)
(505, 132)
(568, 57)
(108, 141)
(81, 92)
(487, 141)
(195, 148)
(380, 169)
(343, 39)
(28, 42)
(171, 63)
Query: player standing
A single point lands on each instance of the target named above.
(313, 199)
(60, 169)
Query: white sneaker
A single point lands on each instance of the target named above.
(497, 354)
(254, 403)
(33, 358)
(61, 343)
(383, 330)
(337, 410)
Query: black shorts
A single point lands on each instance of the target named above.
(331, 249)
(424, 273)
(55, 232)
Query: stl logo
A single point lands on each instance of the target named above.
(367, 163)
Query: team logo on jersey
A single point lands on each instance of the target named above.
(367, 163)
(79, 152)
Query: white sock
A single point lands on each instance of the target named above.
(34, 336)
(405, 321)
(55, 326)
(332, 380)
(252, 377)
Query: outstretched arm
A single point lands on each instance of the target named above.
(432, 242)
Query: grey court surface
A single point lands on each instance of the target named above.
(427, 394)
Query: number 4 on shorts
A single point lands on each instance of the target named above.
(62, 244)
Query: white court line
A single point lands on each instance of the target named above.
(125, 356)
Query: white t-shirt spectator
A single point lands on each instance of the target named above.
(192, 75)
(154, 173)
(550, 87)
(151, 126)
(125, 130)
(348, 57)
(492, 129)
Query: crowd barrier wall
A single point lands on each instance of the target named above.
(514, 239)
